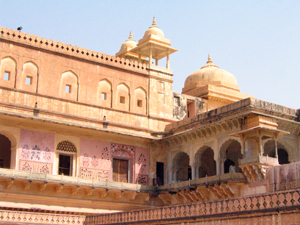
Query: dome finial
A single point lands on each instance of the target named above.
(209, 63)
(154, 22)
(130, 36)
(209, 59)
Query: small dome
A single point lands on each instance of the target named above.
(154, 30)
(129, 44)
(210, 74)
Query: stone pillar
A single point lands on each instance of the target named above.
(222, 165)
(150, 57)
(276, 147)
(218, 164)
(13, 157)
(261, 149)
(193, 167)
(168, 61)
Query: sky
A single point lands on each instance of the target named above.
(257, 41)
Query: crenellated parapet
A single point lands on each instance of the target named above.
(63, 48)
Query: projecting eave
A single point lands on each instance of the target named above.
(268, 129)
(159, 50)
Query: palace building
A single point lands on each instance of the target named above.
(89, 138)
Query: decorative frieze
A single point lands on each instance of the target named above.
(21, 217)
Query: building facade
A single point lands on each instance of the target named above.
(85, 133)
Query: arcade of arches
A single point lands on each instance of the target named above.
(206, 165)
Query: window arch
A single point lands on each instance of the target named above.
(181, 167)
(104, 93)
(269, 150)
(123, 97)
(29, 79)
(231, 152)
(69, 86)
(140, 101)
(205, 163)
(8, 68)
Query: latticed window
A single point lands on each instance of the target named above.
(66, 146)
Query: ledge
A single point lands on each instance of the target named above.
(80, 182)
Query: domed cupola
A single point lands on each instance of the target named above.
(130, 43)
(154, 32)
(154, 45)
(210, 74)
(217, 86)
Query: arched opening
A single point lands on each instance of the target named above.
(66, 158)
(207, 166)
(269, 150)
(181, 165)
(5, 152)
(231, 152)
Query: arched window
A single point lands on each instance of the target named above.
(8, 69)
(140, 104)
(123, 97)
(66, 158)
(69, 86)
(104, 93)
(29, 77)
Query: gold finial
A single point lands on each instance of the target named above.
(154, 22)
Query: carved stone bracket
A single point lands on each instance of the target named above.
(255, 168)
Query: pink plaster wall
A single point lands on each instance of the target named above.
(95, 159)
(141, 165)
(36, 151)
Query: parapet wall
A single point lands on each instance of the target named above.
(231, 209)
(284, 177)
(248, 103)
(52, 45)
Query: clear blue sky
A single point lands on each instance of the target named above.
(257, 41)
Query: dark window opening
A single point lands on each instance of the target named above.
(5, 152)
(159, 173)
(122, 99)
(64, 166)
(189, 173)
(227, 165)
(139, 103)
